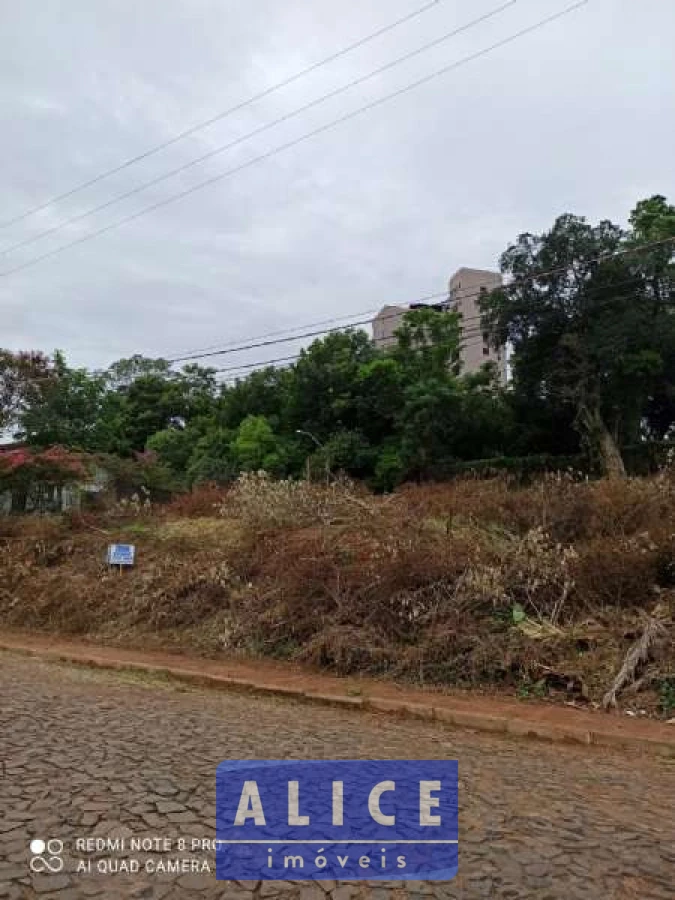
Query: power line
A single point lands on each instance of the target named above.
(463, 293)
(225, 113)
(286, 332)
(469, 337)
(268, 343)
(262, 364)
(465, 322)
(470, 334)
(183, 354)
(296, 141)
(256, 343)
(281, 331)
(457, 294)
(273, 363)
(256, 131)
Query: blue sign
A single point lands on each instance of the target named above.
(121, 554)
(337, 819)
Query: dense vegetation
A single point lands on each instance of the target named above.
(536, 590)
(541, 587)
(589, 312)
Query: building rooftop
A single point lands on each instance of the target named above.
(468, 269)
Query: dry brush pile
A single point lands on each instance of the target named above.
(537, 589)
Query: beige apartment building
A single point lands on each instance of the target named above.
(463, 292)
(385, 324)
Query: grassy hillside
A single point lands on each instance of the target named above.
(538, 591)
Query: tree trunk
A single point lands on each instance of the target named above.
(600, 441)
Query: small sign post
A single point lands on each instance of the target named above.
(121, 555)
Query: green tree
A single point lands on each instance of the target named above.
(142, 473)
(584, 329)
(212, 459)
(380, 386)
(390, 467)
(653, 222)
(429, 419)
(262, 393)
(193, 390)
(256, 447)
(323, 394)
(148, 408)
(345, 451)
(174, 446)
(540, 424)
(428, 343)
(484, 423)
(154, 402)
(124, 372)
(440, 416)
(67, 410)
(24, 377)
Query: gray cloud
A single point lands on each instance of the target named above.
(576, 117)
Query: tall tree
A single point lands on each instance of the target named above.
(584, 329)
(255, 446)
(66, 410)
(212, 459)
(125, 371)
(323, 395)
(428, 343)
(261, 393)
(24, 377)
(653, 222)
(155, 401)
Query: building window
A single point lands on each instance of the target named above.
(486, 351)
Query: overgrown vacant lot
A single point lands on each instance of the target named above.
(539, 590)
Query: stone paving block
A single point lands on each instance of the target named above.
(536, 819)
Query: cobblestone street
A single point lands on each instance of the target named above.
(97, 754)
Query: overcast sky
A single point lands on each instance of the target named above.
(575, 117)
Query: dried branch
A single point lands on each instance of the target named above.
(637, 657)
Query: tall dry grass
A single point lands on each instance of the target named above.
(469, 582)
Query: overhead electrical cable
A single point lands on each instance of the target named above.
(296, 141)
